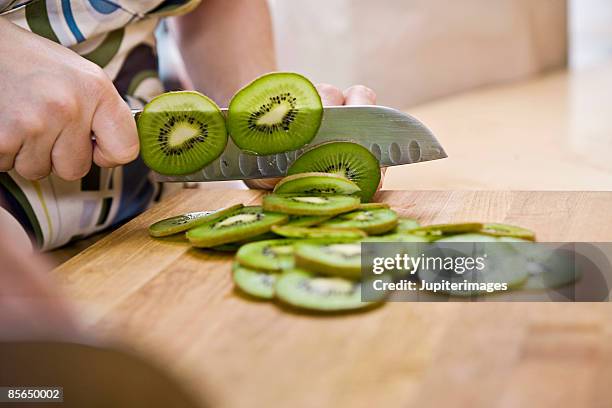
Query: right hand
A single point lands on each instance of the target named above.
(52, 101)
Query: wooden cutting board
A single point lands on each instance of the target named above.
(178, 306)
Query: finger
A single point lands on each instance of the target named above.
(7, 161)
(383, 171)
(33, 161)
(9, 146)
(115, 131)
(72, 152)
(359, 95)
(330, 95)
(262, 184)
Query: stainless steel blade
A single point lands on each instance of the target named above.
(394, 137)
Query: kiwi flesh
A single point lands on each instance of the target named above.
(373, 206)
(310, 205)
(181, 223)
(307, 220)
(346, 159)
(256, 283)
(290, 231)
(341, 259)
(505, 230)
(373, 222)
(405, 225)
(272, 255)
(316, 184)
(302, 289)
(440, 230)
(275, 113)
(236, 226)
(181, 132)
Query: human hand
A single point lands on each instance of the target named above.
(330, 96)
(52, 101)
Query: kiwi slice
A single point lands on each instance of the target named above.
(315, 184)
(309, 205)
(505, 230)
(440, 230)
(272, 255)
(307, 220)
(373, 206)
(275, 113)
(302, 289)
(236, 226)
(341, 259)
(290, 231)
(374, 222)
(253, 282)
(181, 132)
(347, 159)
(180, 223)
(406, 225)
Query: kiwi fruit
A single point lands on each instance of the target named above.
(346, 159)
(254, 282)
(181, 223)
(316, 184)
(302, 289)
(307, 220)
(290, 231)
(235, 226)
(440, 230)
(373, 206)
(373, 222)
(275, 113)
(406, 225)
(272, 255)
(472, 237)
(505, 230)
(341, 259)
(310, 205)
(181, 132)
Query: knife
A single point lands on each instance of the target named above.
(394, 137)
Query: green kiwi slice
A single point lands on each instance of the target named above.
(236, 226)
(181, 132)
(505, 230)
(307, 220)
(440, 230)
(253, 282)
(374, 222)
(405, 225)
(373, 206)
(275, 113)
(291, 231)
(302, 289)
(272, 255)
(341, 259)
(347, 159)
(316, 184)
(309, 205)
(180, 223)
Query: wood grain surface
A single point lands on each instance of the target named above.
(178, 306)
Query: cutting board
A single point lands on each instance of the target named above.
(177, 306)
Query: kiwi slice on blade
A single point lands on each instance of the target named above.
(253, 282)
(272, 255)
(307, 220)
(275, 113)
(347, 159)
(236, 226)
(310, 205)
(505, 230)
(316, 183)
(290, 231)
(440, 230)
(335, 259)
(181, 132)
(180, 223)
(302, 289)
(374, 222)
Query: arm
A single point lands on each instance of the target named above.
(225, 45)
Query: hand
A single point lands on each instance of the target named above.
(52, 100)
(331, 96)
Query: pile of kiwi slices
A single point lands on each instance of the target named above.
(182, 132)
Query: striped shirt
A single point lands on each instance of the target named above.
(119, 37)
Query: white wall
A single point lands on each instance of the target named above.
(591, 32)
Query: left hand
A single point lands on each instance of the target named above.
(330, 96)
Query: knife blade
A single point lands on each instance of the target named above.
(394, 137)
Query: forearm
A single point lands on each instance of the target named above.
(225, 45)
